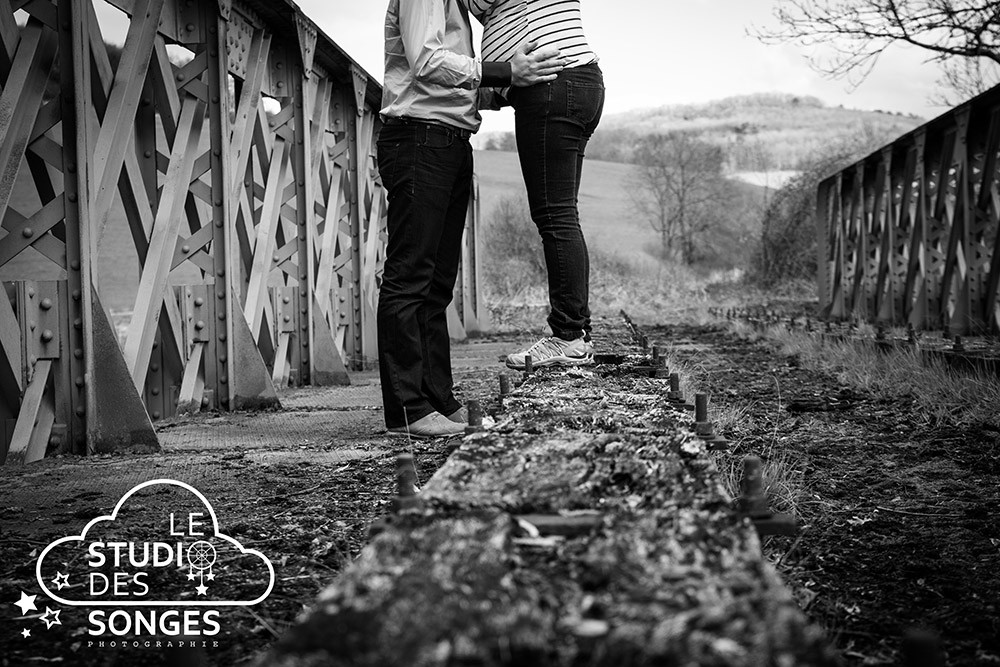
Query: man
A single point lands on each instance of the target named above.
(429, 113)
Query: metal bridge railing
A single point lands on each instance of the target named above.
(236, 141)
(909, 234)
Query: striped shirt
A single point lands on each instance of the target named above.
(510, 23)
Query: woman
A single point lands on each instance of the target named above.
(553, 122)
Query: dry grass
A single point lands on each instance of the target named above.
(942, 395)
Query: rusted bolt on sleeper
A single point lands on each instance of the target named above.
(475, 415)
(504, 390)
(705, 429)
(406, 484)
(753, 502)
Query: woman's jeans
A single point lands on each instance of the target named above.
(553, 122)
(427, 172)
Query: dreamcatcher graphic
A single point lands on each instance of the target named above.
(201, 557)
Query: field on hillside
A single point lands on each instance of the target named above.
(605, 208)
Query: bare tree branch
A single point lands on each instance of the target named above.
(857, 32)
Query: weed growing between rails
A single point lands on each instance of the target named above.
(783, 470)
(944, 396)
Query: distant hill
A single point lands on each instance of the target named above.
(761, 132)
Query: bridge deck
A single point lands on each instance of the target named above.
(589, 526)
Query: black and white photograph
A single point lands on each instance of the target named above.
(499, 333)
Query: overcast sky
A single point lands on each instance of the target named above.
(656, 52)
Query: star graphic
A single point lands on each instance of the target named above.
(49, 622)
(61, 581)
(26, 633)
(191, 576)
(202, 590)
(26, 603)
(210, 576)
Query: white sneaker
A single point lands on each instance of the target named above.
(554, 351)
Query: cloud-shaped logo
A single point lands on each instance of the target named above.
(152, 545)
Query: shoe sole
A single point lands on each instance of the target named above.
(423, 436)
(554, 361)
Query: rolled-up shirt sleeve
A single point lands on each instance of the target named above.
(422, 24)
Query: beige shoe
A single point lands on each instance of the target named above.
(460, 416)
(434, 425)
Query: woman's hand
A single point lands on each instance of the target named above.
(530, 66)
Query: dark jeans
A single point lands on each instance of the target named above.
(427, 173)
(553, 122)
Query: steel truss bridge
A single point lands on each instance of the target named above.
(908, 235)
(230, 154)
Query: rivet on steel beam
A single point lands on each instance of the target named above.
(31, 292)
(27, 232)
(221, 273)
(305, 343)
(78, 381)
(154, 367)
(303, 276)
(72, 197)
(222, 359)
(199, 325)
(204, 401)
(46, 304)
(285, 299)
(305, 327)
(224, 379)
(155, 391)
(78, 323)
(190, 27)
(287, 318)
(156, 344)
(180, 77)
(218, 202)
(220, 295)
(76, 295)
(80, 411)
(78, 353)
(304, 311)
(475, 414)
(222, 317)
(199, 301)
(47, 336)
(75, 265)
(156, 414)
(148, 153)
(218, 223)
